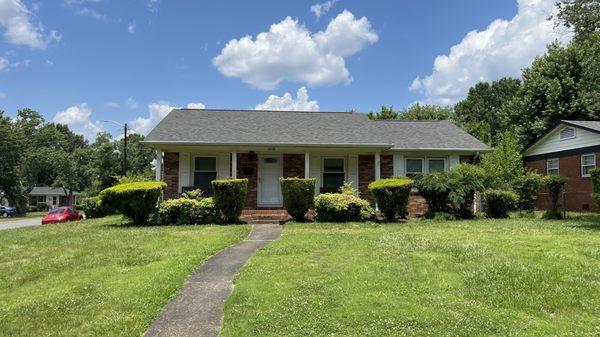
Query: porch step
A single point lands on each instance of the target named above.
(264, 216)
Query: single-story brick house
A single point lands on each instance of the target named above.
(196, 146)
(569, 149)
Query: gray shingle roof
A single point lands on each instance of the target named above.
(590, 125)
(205, 126)
(46, 190)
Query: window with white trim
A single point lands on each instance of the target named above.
(588, 162)
(205, 171)
(334, 173)
(414, 166)
(552, 166)
(436, 165)
(567, 133)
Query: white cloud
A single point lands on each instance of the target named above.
(17, 21)
(289, 52)
(2, 94)
(4, 63)
(131, 27)
(131, 103)
(196, 106)
(502, 49)
(78, 118)
(112, 104)
(287, 102)
(322, 8)
(156, 112)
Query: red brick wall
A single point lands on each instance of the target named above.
(417, 205)
(171, 175)
(248, 162)
(366, 174)
(577, 189)
(293, 165)
(387, 166)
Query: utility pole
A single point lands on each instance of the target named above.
(125, 151)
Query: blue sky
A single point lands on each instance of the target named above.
(83, 61)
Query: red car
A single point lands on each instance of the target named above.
(61, 214)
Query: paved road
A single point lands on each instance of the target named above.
(21, 222)
(198, 309)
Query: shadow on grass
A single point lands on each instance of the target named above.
(590, 221)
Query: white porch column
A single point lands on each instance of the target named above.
(158, 167)
(307, 165)
(377, 166)
(234, 164)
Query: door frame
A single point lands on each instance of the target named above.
(259, 180)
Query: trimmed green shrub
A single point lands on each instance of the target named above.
(41, 206)
(135, 201)
(347, 188)
(193, 194)
(337, 207)
(498, 203)
(435, 188)
(185, 211)
(595, 173)
(92, 208)
(298, 196)
(527, 187)
(229, 196)
(391, 196)
(555, 186)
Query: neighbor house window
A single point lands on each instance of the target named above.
(205, 171)
(567, 133)
(588, 162)
(414, 166)
(552, 166)
(333, 173)
(436, 165)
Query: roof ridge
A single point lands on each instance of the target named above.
(287, 111)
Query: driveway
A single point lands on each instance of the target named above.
(21, 222)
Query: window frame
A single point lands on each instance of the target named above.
(345, 172)
(438, 158)
(423, 169)
(216, 171)
(583, 166)
(557, 166)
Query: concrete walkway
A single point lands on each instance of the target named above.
(198, 309)
(21, 222)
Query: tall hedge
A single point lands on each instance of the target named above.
(555, 186)
(230, 196)
(298, 196)
(135, 201)
(595, 173)
(391, 196)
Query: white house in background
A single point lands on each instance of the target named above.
(52, 196)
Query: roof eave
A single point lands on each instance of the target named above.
(354, 145)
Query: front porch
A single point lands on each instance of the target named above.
(195, 167)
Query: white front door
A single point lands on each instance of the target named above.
(269, 171)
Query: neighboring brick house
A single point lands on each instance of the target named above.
(570, 149)
(197, 146)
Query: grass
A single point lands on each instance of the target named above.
(27, 215)
(515, 277)
(96, 277)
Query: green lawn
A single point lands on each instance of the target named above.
(96, 277)
(28, 215)
(517, 277)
